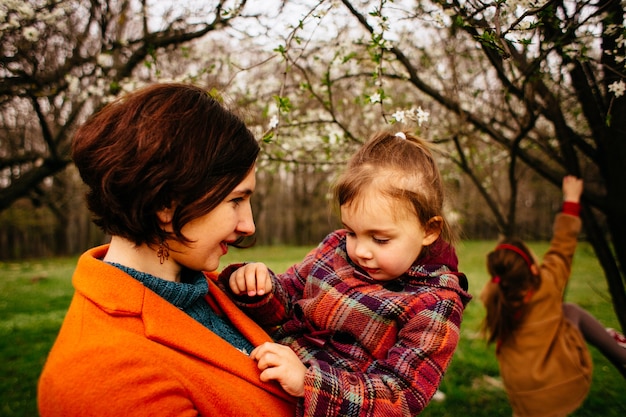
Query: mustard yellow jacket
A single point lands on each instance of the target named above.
(546, 367)
(124, 351)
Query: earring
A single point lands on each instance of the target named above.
(163, 252)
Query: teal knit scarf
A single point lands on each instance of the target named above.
(188, 295)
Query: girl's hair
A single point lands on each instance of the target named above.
(513, 283)
(163, 146)
(400, 166)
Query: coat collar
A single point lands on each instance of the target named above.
(118, 294)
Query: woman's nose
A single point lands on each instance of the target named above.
(246, 225)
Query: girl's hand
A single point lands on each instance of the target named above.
(280, 363)
(572, 189)
(251, 279)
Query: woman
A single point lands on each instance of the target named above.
(169, 173)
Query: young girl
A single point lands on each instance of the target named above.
(373, 313)
(540, 341)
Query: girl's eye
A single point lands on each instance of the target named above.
(380, 241)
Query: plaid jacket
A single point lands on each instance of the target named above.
(371, 348)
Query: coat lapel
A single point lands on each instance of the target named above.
(119, 295)
(223, 305)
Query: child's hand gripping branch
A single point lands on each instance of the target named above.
(572, 189)
(276, 362)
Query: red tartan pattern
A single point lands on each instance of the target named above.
(380, 348)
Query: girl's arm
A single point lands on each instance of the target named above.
(273, 307)
(557, 262)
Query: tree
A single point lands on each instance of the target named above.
(62, 59)
(504, 87)
(516, 85)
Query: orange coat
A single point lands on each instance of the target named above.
(546, 366)
(125, 351)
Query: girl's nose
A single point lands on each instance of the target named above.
(362, 251)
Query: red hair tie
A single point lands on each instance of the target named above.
(496, 279)
(506, 246)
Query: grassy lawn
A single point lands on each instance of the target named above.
(35, 294)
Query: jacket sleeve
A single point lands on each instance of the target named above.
(276, 307)
(403, 382)
(557, 262)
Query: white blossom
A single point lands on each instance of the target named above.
(25, 11)
(105, 60)
(54, 16)
(273, 122)
(421, 115)
(12, 4)
(13, 22)
(618, 88)
(375, 98)
(73, 84)
(398, 116)
(31, 34)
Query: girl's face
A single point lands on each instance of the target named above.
(384, 238)
(210, 234)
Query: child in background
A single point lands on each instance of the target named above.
(540, 340)
(373, 313)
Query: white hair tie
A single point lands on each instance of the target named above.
(401, 135)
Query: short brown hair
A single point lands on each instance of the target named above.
(166, 145)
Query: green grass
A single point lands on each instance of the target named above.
(34, 296)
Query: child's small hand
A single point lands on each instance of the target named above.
(252, 279)
(572, 189)
(280, 363)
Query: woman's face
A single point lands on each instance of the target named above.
(211, 234)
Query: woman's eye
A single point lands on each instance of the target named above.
(236, 201)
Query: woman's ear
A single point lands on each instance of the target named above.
(432, 230)
(165, 217)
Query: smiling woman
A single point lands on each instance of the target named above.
(209, 235)
(169, 173)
